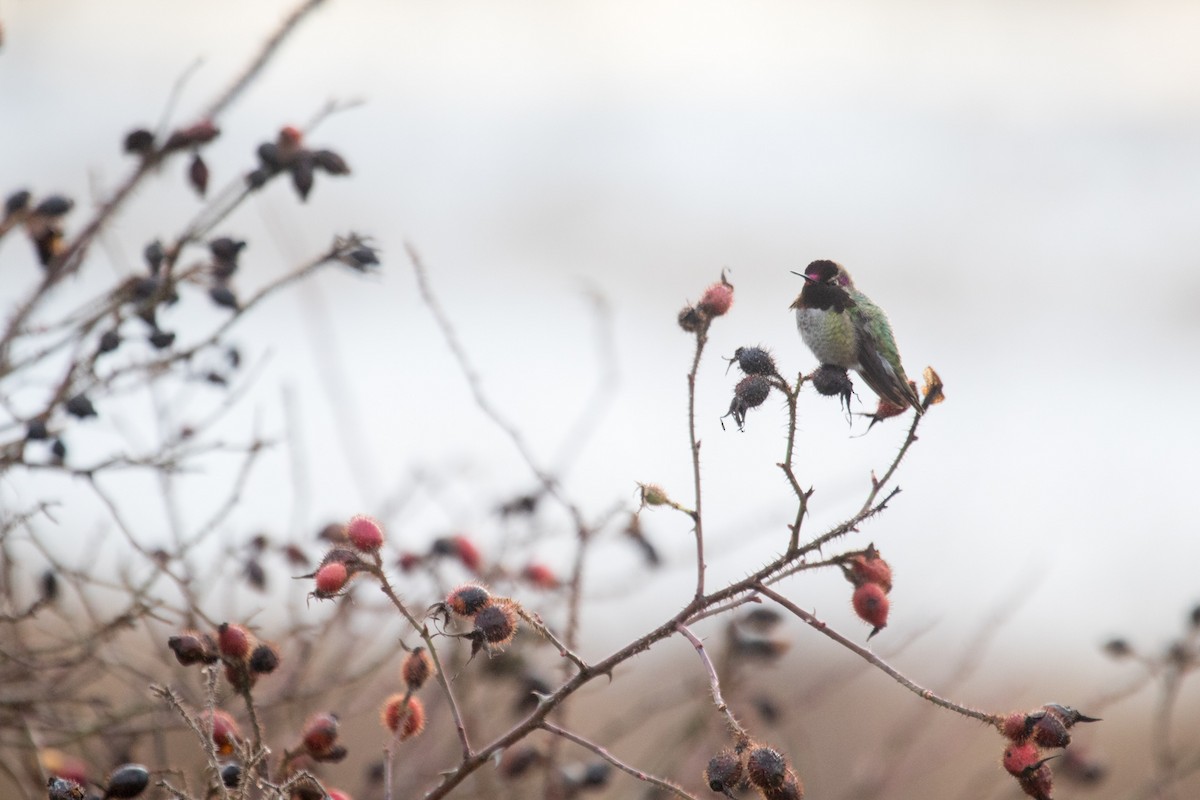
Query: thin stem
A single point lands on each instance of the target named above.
(701, 340)
(713, 681)
(616, 762)
(925, 694)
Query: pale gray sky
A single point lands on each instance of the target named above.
(1016, 183)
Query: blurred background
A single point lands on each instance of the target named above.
(1017, 184)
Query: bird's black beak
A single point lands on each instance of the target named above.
(808, 278)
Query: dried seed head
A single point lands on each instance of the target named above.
(691, 319)
(871, 605)
(416, 668)
(403, 715)
(468, 600)
(364, 533)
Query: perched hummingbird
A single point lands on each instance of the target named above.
(844, 328)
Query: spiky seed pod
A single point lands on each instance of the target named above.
(497, 624)
(871, 605)
(468, 600)
(405, 720)
(766, 768)
(1020, 757)
(724, 772)
(416, 668)
(754, 361)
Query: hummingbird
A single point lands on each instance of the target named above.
(844, 328)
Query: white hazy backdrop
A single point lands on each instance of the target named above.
(1016, 183)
